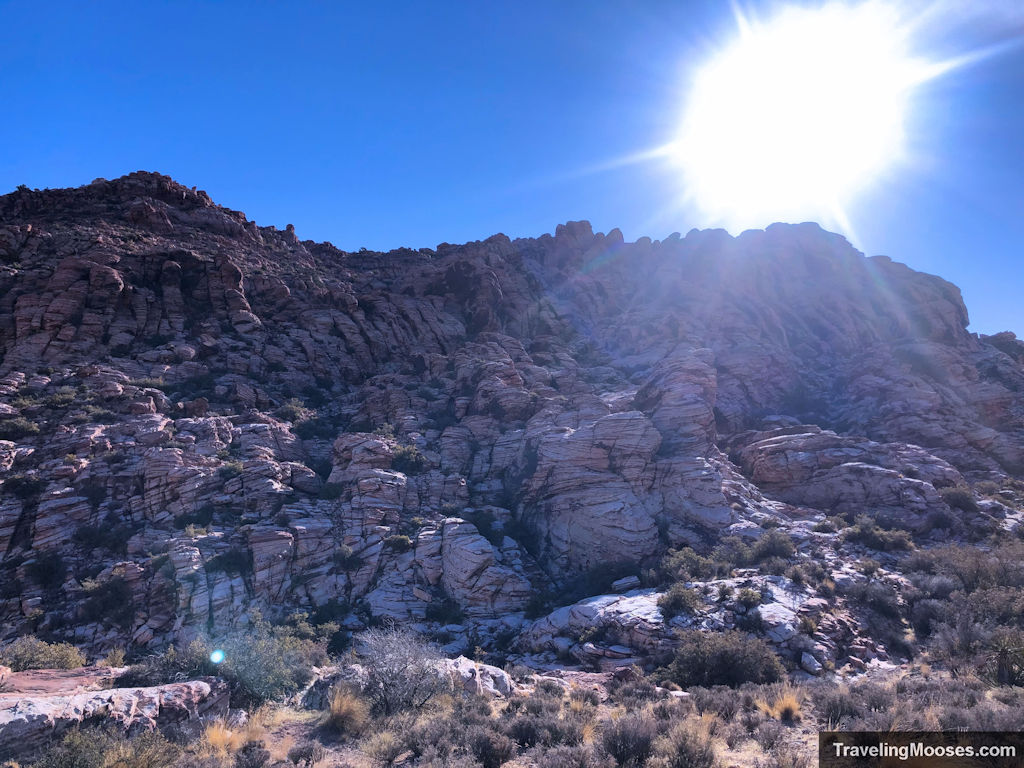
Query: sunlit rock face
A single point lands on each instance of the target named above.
(202, 416)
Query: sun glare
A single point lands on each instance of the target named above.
(799, 114)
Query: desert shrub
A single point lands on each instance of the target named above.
(235, 561)
(29, 652)
(109, 601)
(408, 459)
(722, 658)
(261, 662)
(173, 665)
(564, 756)
(748, 598)
(401, 671)
(879, 596)
(307, 755)
(398, 542)
(782, 704)
(322, 427)
(24, 486)
(867, 532)
(201, 517)
(773, 543)
(230, 469)
(347, 713)
(266, 663)
(686, 745)
(384, 747)
(109, 748)
(769, 734)
(926, 614)
(114, 658)
(112, 535)
(533, 728)
(959, 497)
(633, 693)
(491, 748)
(586, 696)
(444, 611)
(686, 565)
(719, 700)
(17, 428)
(630, 738)
(834, 705)
(678, 600)
(47, 570)
(293, 410)
(346, 559)
(786, 755)
(253, 754)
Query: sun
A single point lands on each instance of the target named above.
(799, 115)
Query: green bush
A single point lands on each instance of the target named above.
(112, 535)
(321, 427)
(110, 601)
(686, 565)
(722, 658)
(261, 663)
(748, 598)
(687, 745)
(678, 600)
(235, 562)
(445, 611)
(398, 542)
(110, 748)
(773, 543)
(346, 559)
(408, 459)
(230, 469)
(23, 486)
(17, 428)
(630, 739)
(959, 497)
(491, 748)
(867, 532)
(30, 652)
(293, 410)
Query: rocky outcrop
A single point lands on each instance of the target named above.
(200, 416)
(35, 708)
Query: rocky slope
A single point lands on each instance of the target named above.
(202, 416)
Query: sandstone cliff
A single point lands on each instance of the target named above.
(201, 416)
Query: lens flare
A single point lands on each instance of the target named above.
(799, 114)
(217, 656)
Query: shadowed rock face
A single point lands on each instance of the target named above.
(204, 416)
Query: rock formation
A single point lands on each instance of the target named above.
(201, 416)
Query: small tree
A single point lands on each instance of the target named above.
(402, 672)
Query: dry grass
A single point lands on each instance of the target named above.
(783, 705)
(347, 713)
(221, 741)
(384, 748)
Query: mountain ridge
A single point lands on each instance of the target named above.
(214, 416)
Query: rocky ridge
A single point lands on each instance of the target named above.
(202, 416)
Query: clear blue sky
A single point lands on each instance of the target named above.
(386, 124)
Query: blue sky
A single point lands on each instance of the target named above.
(380, 125)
